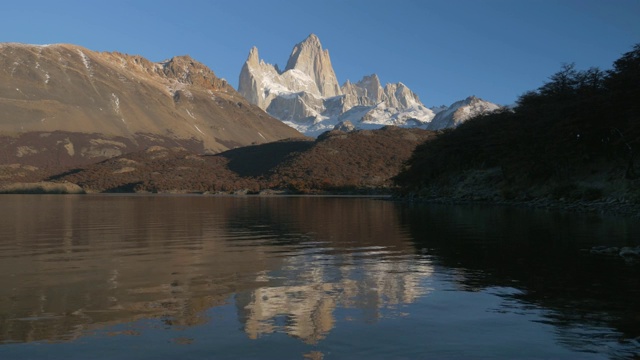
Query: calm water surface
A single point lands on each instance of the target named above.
(196, 277)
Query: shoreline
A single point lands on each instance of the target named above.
(607, 206)
(604, 206)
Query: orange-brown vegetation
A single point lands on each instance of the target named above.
(360, 161)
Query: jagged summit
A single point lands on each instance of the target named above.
(309, 58)
(306, 95)
(309, 47)
(368, 90)
(254, 57)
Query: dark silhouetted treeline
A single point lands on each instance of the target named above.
(578, 133)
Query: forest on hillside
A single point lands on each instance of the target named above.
(577, 137)
(358, 162)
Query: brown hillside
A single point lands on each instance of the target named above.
(122, 100)
(365, 159)
(336, 162)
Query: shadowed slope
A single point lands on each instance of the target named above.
(336, 162)
(259, 160)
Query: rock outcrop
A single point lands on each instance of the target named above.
(344, 126)
(309, 58)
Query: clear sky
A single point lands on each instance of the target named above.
(444, 50)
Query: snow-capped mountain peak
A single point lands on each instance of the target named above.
(306, 95)
(461, 111)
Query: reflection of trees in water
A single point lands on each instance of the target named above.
(542, 254)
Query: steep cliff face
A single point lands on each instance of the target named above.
(309, 58)
(260, 83)
(306, 95)
(123, 100)
(366, 92)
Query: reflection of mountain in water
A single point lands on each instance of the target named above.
(353, 255)
(306, 266)
(87, 262)
(369, 285)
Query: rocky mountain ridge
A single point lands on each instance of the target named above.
(309, 58)
(63, 104)
(307, 97)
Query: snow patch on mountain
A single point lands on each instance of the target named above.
(460, 112)
(306, 95)
(85, 61)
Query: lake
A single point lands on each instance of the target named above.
(208, 277)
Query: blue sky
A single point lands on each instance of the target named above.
(444, 50)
